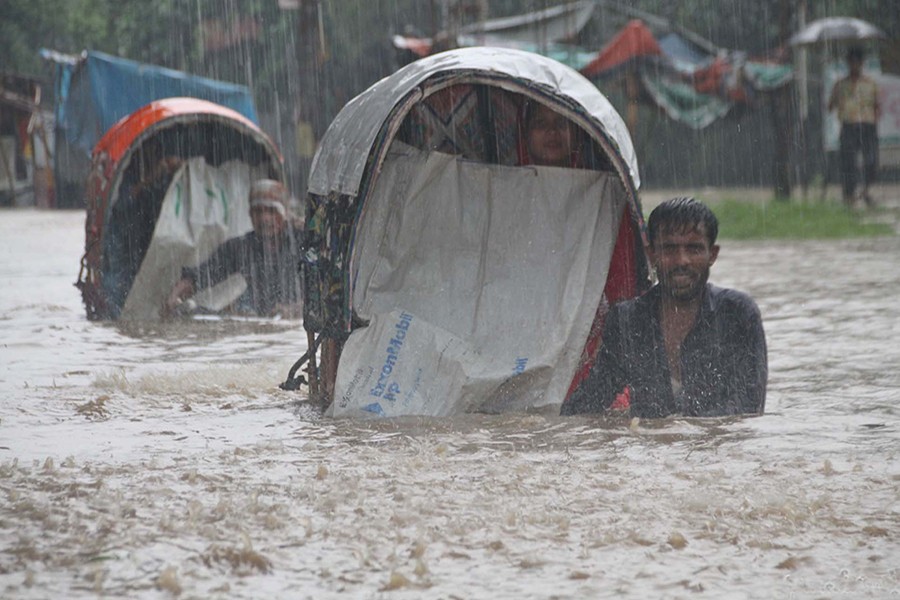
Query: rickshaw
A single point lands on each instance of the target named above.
(168, 184)
(443, 271)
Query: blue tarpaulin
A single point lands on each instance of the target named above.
(95, 90)
(100, 89)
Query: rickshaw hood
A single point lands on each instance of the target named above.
(340, 161)
(117, 140)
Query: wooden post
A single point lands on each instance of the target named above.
(781, 115)
(310, 56)
(632, 91)
(330, 357)
(311, 368)
(9, 173)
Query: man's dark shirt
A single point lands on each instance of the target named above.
(271, 280)
(723, 360)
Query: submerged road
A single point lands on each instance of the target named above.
(141, 462)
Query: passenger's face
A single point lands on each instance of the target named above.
(267, 222)
(549, 138)
(682, 258)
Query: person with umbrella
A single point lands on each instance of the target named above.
(855, 97)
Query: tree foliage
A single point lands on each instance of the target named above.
(173, 33)
(26, 26)
(266, 45)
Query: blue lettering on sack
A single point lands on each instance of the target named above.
(383, 387)
(520, 365)
(374, 408)
(415, 388)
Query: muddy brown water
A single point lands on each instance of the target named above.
(157, 462)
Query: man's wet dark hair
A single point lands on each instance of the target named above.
(683, 214)
(855, 53)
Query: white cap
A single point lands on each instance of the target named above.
(268, 193)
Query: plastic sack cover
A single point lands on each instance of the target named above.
(203, 207)
(339, 163)
(451, 252)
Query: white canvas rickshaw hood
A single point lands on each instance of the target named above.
(340, 161)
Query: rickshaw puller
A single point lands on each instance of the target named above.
(266, 257)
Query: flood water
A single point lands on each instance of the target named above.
(165, 462)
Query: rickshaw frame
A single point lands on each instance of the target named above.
(348, 162)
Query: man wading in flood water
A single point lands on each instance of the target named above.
(686, 347)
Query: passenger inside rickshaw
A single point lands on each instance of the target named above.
(549, 137)
(144, 184)
(492, 125)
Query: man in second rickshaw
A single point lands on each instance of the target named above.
(267, 257)
(686, 347)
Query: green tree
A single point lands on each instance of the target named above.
(26, 26)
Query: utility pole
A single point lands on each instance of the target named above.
(802, 112)
(310, 106)
(781, 114)
(310, 56)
